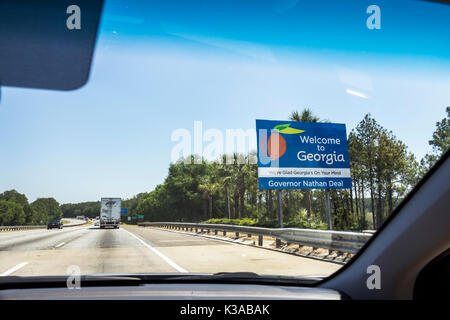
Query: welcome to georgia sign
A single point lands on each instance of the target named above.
(302, 155)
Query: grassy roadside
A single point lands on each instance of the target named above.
(127, 225)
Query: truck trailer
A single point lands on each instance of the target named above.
(110, 213)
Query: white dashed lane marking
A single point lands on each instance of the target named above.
(13, 269)
(166, 259)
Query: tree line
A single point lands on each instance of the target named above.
(383, 171)
(91, 209)
(15, 210)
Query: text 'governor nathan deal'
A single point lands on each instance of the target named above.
(302, 155)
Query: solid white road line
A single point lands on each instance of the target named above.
(166, 259)
(184, 240)
(13, 269)
(59, 245)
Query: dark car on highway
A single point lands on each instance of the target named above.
(55, 224)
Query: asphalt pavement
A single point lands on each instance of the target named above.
(133, 249)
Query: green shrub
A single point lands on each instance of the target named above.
(300, 220)
(239, 222)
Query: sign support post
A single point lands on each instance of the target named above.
(328, 205)
(280, 208)
(302, 155)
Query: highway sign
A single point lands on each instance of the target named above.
(124, 211)
(140, 216)
(302, 155)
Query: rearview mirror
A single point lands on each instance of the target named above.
(47, 44)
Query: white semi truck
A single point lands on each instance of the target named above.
(110, 212)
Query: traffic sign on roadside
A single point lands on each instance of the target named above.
(302, 155)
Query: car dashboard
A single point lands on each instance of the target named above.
(174, 291)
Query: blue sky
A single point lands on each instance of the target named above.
(160, 67)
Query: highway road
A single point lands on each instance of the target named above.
(133, 249)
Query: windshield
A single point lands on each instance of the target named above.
(272, 137)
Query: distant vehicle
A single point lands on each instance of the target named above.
(80, 217)
(110, 212)
(55, 224)
(97, 223)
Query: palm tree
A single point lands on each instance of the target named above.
(239, 181)
(238, 174)
(305, 116)
(209, 185)
(226, 179)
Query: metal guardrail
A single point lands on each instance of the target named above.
(18, 228)
(74, 224)
(342, 241)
